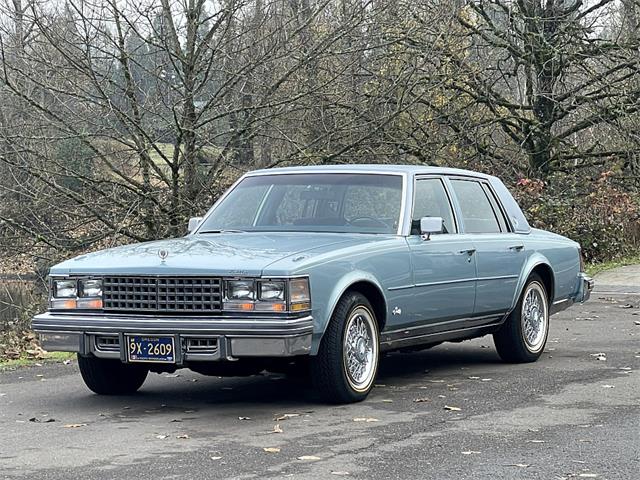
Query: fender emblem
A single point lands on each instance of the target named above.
(397, 311)
(163, 254)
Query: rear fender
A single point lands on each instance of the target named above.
(532, 262)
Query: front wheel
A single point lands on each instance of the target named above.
(347, 362)
(524, 334)
(111, 377)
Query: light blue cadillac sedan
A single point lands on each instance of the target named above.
(317, 270)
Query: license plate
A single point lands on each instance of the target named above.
(151, 349)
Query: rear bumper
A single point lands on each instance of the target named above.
(585, 288)
(226, 337)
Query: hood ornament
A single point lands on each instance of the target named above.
(163, 254)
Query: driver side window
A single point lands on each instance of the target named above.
(431, 200)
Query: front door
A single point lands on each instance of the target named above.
(444, 267)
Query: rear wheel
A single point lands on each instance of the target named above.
(347, 362)
(111, 377)
(523, 336)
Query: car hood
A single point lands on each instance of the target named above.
(212, 254)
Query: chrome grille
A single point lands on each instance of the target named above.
(162, 294)
(107, 344)
(202, 345)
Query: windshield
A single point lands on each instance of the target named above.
(350, 203)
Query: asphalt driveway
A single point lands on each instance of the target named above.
(452, 412)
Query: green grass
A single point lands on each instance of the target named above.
(595, 268)
(50, 357)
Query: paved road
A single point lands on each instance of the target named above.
(573, 414)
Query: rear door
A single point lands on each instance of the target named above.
(500, 253)
(444, 267)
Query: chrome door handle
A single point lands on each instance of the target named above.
(516, 248)
(469, 251)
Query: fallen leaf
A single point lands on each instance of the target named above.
(285, 416)
(161, 437)
(421, 400)
(176, 420)
(215, 458)
(469, 452)
(74, 425)
(365, 419)
(184, 436)
(486, 379)
(66, 362)
(44, 420)
(474, 378)
(521, 465)
(244, 418)
(277, 429)
(588, 475)
(608, 386)
(309, 458)
(537, 441)
(387, 400)
(339, 473)
(271, 449)
(637, 322)
(452, 409)
(626, 305)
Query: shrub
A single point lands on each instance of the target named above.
(595, 212)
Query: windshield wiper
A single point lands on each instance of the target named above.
(223, 231)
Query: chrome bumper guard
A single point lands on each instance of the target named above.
(586, 287)
(200, 339)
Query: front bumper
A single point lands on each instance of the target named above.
(199, 338)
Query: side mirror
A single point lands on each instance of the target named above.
(429, 225)
(193, 223)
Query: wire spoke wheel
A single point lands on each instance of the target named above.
(535, 317)
(360, 349)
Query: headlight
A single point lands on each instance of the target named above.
(65, 289)
(265, 295)
(76, 293)
(271, 291)
(241, 290)
(90, 288)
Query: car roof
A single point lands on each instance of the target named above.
(370, 168)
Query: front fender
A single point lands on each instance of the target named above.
(532, 262)
(341, 286)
